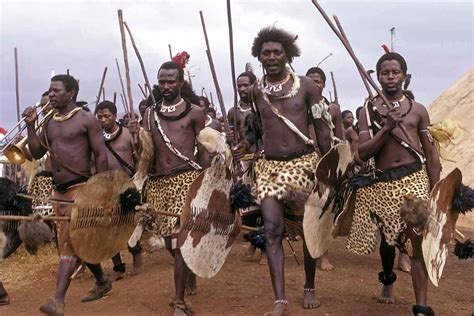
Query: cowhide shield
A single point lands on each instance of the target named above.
(208, 226)
(440, 228)
(11, 204)
(99, 228)
(319, 212)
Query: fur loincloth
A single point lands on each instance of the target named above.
(167, 194)
(378, 207)
(280, 179)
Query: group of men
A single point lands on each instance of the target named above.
(285, 126)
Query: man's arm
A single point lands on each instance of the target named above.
(433, 164)
(336, 116)
(369, 147)
(204, 157)
(321, 128)
(34, 144)
(352, 135)
(96, 140)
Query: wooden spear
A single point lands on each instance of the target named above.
(115, 97)
(17, 88)
(346, 44)
(171, 54)
(336, 100)
(123, 88)
(214, 75)
(143, 91)
(101, 86)
(140, 60)
(232, 68)
(125, 59)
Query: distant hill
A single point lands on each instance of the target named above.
(457, 103)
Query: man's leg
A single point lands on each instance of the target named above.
(119, 268)
(387, 276)
(309, 295)
(66, 267)
(324, 263)
(404, 262)
(272, 212)
(4, 298)
(102, 285)
(181, 273)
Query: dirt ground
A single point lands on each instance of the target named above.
(241, 287)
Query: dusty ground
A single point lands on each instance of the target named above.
(241, 287)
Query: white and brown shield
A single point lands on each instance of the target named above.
(99, 228)
(441, 225)
(208, 225)
(319, 212)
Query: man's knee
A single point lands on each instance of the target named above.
(274, 231)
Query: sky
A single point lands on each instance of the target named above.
(435, 37)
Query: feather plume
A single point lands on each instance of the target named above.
(129, 199)
(463, 201)
(464, 250)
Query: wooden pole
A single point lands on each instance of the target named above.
(214, 75)
(143, 91)
(334, 88)
(212, 99)
(125, 59)
(103, 94)
(232, 68)
(123, 102)
(30, 218)
(348, 47)
(171, 54)
(115, 97)
(123, 88)
(140, 60)
(17, 88)
(101, 86)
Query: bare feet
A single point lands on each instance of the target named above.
(181, 308)
(386, 297)
(250, 252)
(191, 284)
(137, 261)
(309, 300)
(404, 262)
(263, 258)
(116, 275)
(279, 309)
(324, 264)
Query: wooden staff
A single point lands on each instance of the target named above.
(124, 103)
(232, 68)
(123, 88)
(214, 75)
(171, 54)
(101, 87)
(30, 218)
(125, 59)
(366, 84)
(143, 91)
(212, 99)
(103, 94)
(17, 88)
(334, 88)
(140, 60)
(115, 97)
(346, 44)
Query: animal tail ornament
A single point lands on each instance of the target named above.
(445, 134)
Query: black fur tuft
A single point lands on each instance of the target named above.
(129, 200)
(463, 201)
(240, 196)
(257, 239)
(464, 250)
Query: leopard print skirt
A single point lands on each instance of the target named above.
(41, 186)
(275, 178)
(168, 194)
(377, 207)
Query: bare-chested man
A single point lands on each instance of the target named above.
(351, 134)
(120, 156)
(319, 78)
(252, 215)
(70, 136)
(174, 125)
(399, 170)
(284, 106)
